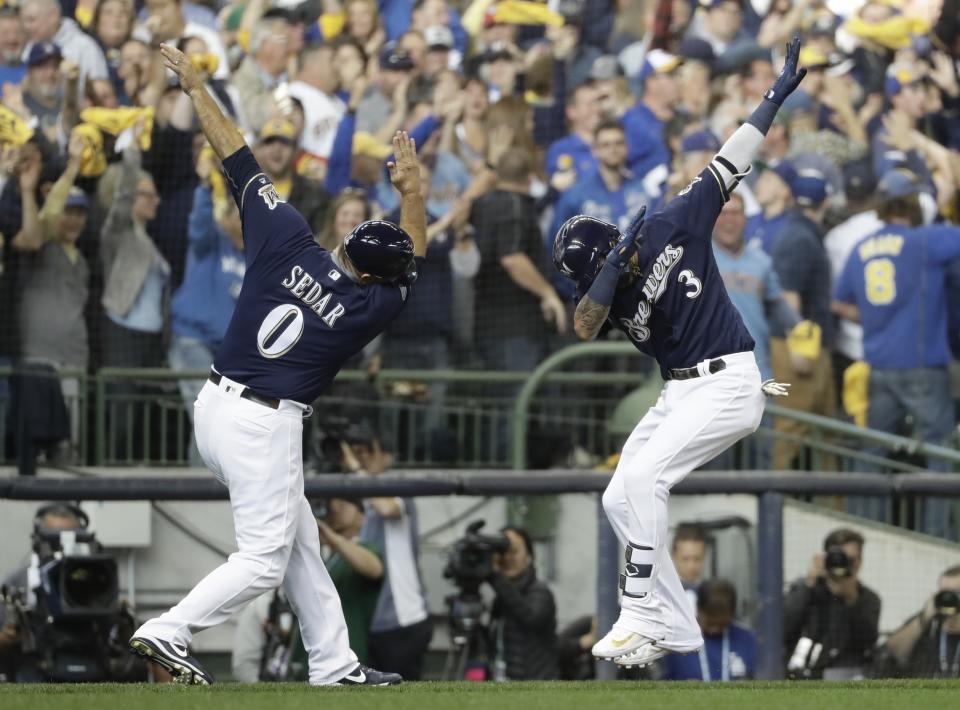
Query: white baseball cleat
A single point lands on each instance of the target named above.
(643, 656)
(619, 642)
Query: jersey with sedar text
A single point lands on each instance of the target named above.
(678, 311)
(299, 316)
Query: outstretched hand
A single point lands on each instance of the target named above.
(405, 168)
(177, 62)
(790, 77)
(629, 243)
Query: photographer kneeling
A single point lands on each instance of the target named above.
(830, 618)
(928, 645)
(523, 622)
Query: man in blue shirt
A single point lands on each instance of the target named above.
(729, 650)
(894, 285)
(775, 195)
(645, 121)
(574, 152)
(302, 312)
(755, 291)
(612, 193)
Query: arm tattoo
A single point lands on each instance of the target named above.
(589, 318)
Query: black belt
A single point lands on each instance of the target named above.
(688, 373)
(248, 393)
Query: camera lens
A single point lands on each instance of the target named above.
(947, 603)
(837, 563)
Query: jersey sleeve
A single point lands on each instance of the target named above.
(268, 222)
(696, 207)
(943, 242)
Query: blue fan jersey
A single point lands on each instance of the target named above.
(299, 316)
(678, 311)
(897, 277)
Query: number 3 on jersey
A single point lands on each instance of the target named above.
(880, 278)
(280, 331)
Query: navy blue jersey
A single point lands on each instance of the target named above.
(299, 316)
(678, 311)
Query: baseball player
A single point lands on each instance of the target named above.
(659, 283)
(301, 313)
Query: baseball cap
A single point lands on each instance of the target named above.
(77, 198)
(699, 140)
(365, 144)
(697, 49)
(809, 188)
(392, 57)
(899, 183)
(899, 75)
(42, 51)
(604, 68)
(659, 62)
(438, 37)
(278, 129)
(859, 179)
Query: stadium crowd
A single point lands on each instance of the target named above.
(122, 248)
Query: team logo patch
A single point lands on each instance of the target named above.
(689, 187)
(270, 196)
(334, 275)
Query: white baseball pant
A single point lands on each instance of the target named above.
(257, 453)
(692, 422)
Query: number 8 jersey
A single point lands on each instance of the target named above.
(896, 277)
(300, 316)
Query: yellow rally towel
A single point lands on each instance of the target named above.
(804, 340)
(116, 120)
(93, 162)
(218, 186)
(13, 129)
(523, 12)
(894, 33)
(207, 63)
(856, 392)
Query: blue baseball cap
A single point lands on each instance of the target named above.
(899, 183)
(700, 140)
(659, 62)
(809, 188)
(859, 179)
(898, 76)
(42, 51)
(786, 172)
(77, 198)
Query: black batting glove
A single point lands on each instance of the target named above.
(790, 77)
(629, 243)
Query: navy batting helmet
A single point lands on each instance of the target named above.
(581, 247)
(381, 249)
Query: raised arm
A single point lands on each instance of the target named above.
(405, 176)
(220, 131)
(734, 159)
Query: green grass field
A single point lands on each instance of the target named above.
(622, 695)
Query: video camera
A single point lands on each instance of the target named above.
(71, 621)
(471, 558)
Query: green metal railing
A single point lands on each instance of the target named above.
(137, 417)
